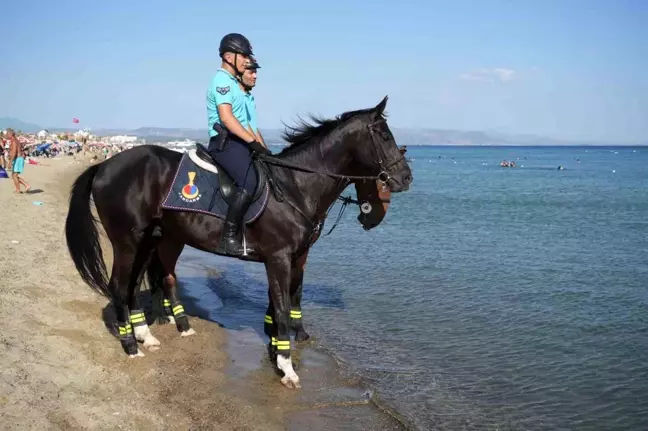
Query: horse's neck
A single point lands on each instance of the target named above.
(318, 192)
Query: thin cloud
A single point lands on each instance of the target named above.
(490, 75)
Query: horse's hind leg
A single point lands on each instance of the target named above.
(128, 269)
(120, 277)
(168, 254)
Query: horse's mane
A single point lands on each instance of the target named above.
(304, 132)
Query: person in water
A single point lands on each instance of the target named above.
(232, 145)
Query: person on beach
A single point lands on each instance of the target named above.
(17, 161)
(231, 144)
(248, 81)
(3, 154)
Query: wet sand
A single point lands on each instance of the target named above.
(61, 367)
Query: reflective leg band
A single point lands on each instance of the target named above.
(125, 330)
(178, 310)
(138, 318)
(283, 345)
(167, 307)
(296, 314)
(274, 341)
(268, 319)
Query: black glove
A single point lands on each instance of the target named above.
(258, 148)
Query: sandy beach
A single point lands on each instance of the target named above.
(61, 368)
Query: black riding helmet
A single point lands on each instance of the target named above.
(252, 64)
(236, 43)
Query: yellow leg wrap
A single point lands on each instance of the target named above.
(178, 309)
(138, 318)
(125, 330)
(283, 345)
(296, 314)
(268, 319)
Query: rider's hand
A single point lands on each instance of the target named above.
(257, 147)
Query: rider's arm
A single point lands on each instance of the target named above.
(260, 138)
(232, 124)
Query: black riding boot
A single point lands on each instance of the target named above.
(231, 239)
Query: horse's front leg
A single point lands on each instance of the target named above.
(296, 287)
(279, 272)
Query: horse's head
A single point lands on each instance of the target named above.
(374, 200)
(378, 152)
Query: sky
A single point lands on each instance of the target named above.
(568, 69)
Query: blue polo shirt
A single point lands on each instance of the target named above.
(224, 88)
(251, 111)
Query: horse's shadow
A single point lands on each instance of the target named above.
(237, 300)
(234, 300)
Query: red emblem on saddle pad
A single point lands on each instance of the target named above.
(190, 192)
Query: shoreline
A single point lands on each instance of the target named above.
(332, 397)
(61, 368)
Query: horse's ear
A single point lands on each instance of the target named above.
(380, 108)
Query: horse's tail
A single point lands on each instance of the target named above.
(82, 235)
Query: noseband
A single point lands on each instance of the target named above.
(383, 176)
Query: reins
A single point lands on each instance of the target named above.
(383, 176)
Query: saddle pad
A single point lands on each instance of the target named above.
(197, 190)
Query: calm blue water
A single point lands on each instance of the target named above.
(489, 298)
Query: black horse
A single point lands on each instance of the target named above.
(373, 198)
(128, 191)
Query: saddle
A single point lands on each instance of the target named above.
(225, 181)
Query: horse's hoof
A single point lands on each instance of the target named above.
(188, 332)
(152, 344)
(302, 336)
(291, 383)
(139, 354)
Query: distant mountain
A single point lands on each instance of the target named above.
(412, 137)
(16, 124)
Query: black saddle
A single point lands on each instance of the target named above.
(227, 186)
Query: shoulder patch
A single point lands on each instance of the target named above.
(223, 90)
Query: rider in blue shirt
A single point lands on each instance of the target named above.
(231, 143)
(248, 81)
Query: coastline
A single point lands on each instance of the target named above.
(331, 397)
(61, 368)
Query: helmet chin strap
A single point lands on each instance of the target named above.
(237, 72)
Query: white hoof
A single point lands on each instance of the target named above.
(290, 378)
(171, 319)
(152, 344)
(143, 334)
(139, 354)
(188, 332)
(291, 382)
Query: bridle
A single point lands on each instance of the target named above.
(365, 207)
(383, 175)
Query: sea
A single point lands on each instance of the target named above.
(489, 298)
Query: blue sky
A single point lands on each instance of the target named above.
(572, 69)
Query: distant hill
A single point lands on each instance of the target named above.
(412, 137)
(16, 124)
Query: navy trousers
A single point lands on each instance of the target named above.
(236, 159)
